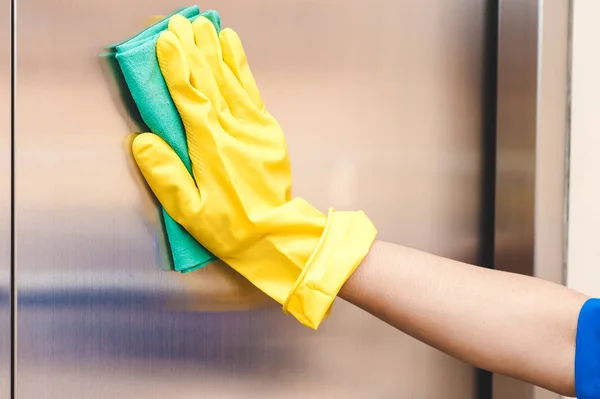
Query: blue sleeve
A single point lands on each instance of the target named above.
(587, 353)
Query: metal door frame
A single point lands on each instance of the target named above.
(532, 148)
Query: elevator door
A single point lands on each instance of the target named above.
(381, 102)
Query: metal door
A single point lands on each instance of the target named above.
(382, 103)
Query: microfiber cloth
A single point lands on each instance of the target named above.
(138, 63)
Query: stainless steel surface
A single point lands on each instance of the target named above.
(531, 148)
(5, 200)
(516, 153)
(381, 103)
(516, 135)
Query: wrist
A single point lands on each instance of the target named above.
(345, 242)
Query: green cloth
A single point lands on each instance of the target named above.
(139, 66)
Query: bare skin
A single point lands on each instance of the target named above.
(510, 324)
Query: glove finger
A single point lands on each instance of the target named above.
(213, 16)
(167, 177)
(194, 106)
(177, 48)
(207, 42)
(235, 58)
(182, 28)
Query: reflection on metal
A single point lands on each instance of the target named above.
(5, 188)
(531, 140)
(386, 118)
(516, 135)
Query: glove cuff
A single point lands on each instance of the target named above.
(345, 242)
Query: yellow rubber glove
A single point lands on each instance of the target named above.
(241, 209)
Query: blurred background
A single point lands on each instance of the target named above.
(446, 121)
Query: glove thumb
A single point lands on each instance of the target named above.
(167, 177)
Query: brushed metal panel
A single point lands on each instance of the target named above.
(5, 198)
(381, 103)
(516, 135)
(515, 155)
(531, 149)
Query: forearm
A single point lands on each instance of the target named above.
(506, 323)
